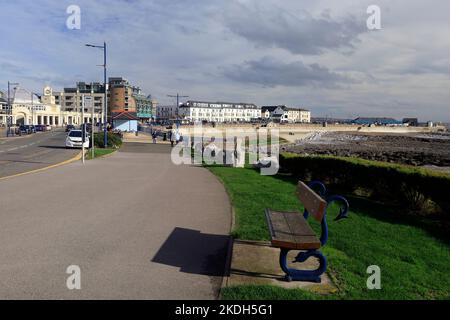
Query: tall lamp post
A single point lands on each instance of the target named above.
(178, 104)
(32, 108)
(9, 119)
(106, 94)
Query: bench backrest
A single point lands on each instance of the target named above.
(311, 201)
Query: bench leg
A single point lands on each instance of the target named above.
(303, 275)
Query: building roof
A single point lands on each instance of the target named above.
(283, 107)
(86, 87)
(295, 109)
(269, 108)
(369, 120)
(21, 95)
(142, 97)
(209, 103)
(124, 116)
(331, 120)
(410, 120)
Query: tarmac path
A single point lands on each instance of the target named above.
(137, 226)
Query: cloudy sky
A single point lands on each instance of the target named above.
(316, 54)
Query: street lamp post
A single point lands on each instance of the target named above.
(32, 109)
(9, 118)
(106, 91)
(178, 104)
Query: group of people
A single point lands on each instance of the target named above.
(174, 136)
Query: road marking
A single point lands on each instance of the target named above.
(29, 144)
(77, 157)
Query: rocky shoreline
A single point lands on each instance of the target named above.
(418, 150)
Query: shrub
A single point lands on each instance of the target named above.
(114, 140)
(415, 189)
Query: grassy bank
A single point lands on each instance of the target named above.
(414, 261)
(99, 152)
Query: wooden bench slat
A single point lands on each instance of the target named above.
(311, 201)
(298, 224)
(290, 230)
(279, 229)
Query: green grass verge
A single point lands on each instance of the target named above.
(99, 152)
(414, 262)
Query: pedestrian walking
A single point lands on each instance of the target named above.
(154, 135)
(173, 136)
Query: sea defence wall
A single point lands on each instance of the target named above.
(297, 131)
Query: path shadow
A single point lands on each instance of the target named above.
(194, 252)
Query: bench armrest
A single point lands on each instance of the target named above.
(343, 213)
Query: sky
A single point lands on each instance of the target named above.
(316, 54)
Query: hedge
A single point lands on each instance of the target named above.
(415, 189)
(114, 140)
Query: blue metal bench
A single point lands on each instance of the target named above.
(291, 231)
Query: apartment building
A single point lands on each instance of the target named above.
(222, 112)
(284, 114)
(71, 99)
(124, 97)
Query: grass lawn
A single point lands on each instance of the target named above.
(414, 261)
(99, 152)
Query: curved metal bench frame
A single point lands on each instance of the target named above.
(314, 275)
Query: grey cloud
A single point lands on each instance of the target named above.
(11, 68)
(271, 73)
(425, 68)
(298, 33)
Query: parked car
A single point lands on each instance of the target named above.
(22, 130)
(26, 129)
(40, 127)
(75, 139)
(48, 127)
(70, 127)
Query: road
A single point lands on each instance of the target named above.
(138, 227)
(30, 152)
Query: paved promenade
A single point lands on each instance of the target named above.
(137, 226)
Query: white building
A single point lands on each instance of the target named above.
(196, 111)
(285, 114)
(29, 108)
